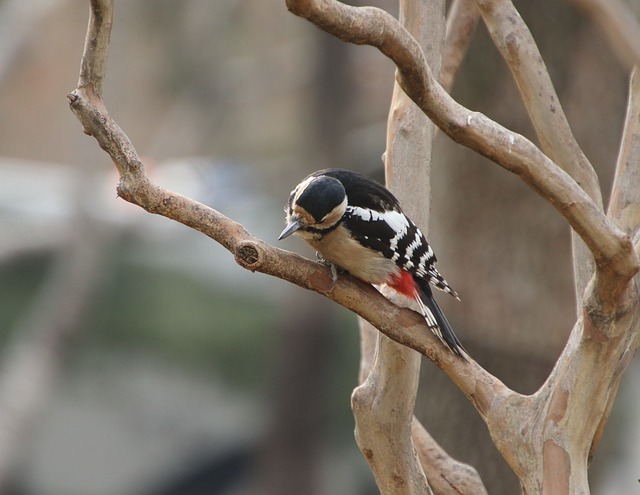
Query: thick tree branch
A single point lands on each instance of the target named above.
(375, 27)
(588, 372)
(386, 430)
(383, 408)
(383, 404)
(565, 391)
(444, 474)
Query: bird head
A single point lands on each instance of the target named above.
(315, 207)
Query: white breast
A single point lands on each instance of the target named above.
(340, 249)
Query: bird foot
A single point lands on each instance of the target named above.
(335, 269)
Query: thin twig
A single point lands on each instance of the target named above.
(96, 45)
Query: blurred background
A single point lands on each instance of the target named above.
(136, 357)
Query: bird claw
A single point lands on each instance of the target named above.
(334, 273)
(335, 270)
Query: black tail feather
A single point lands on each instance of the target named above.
(444, 331)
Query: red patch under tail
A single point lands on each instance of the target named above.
(404, 283)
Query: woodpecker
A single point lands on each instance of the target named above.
(356, 224)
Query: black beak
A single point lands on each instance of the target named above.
(290, 229)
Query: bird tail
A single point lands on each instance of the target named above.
(437, 322)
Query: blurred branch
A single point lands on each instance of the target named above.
(618, 24)
(34, 356)
(20, 240)
(17, 21)
(462, 20)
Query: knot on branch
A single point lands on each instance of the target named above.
(249, 255)
(72, 97)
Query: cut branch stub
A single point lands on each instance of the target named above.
(248, 253)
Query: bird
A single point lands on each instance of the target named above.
(357, 225)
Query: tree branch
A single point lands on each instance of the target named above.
(383, 408)
(600, 347)
(623, 209)
(96, 45)
(565, 391)
(518, 48)
(445, 474)
(386, 429)
(383, 404)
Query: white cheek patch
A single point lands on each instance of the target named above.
(334, 215)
